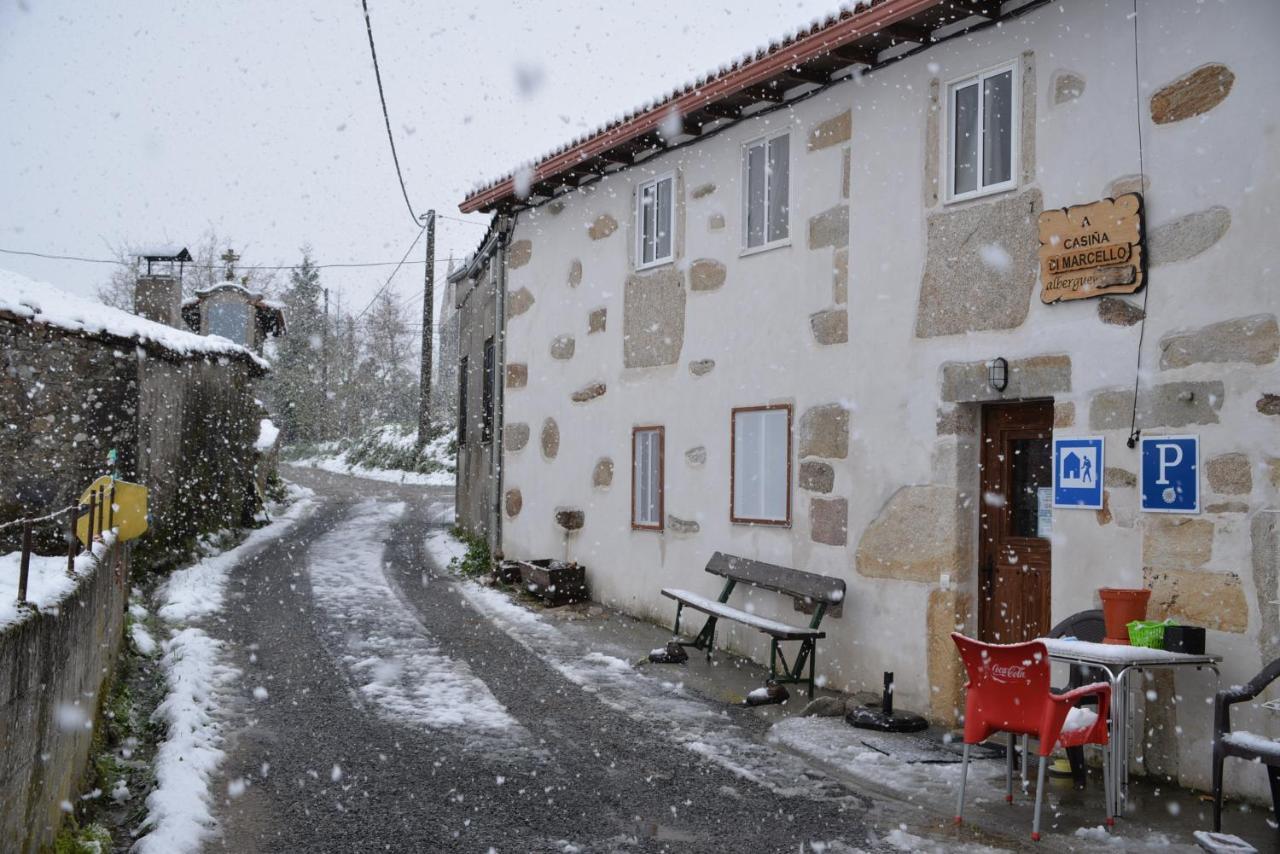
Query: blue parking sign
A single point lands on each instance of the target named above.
(1170, 478)
(1077, 472)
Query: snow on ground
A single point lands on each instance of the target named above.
(445, 548)
(47, 580)
(830, 742)
(339, 465)
(388, 453)
(689, 722)
(143, 642)
(46, 304)
(835, 742)
(900, 840)
(179, 808)
(268, 433)
(398, 669)
(197, 590)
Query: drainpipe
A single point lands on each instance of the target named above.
(505, 228)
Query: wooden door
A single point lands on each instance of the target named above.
(1013, 545)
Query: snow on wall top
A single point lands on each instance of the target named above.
(844, 11)
(43, 303)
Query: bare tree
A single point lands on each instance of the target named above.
(205, 270)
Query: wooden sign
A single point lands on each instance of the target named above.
(1092, 250)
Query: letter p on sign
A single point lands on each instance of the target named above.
(1170, 457)
(1170, 478)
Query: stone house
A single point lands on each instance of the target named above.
(81, 379)
(444, 388)
(478, 304)
(795, 311)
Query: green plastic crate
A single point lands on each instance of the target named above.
(1148, 633)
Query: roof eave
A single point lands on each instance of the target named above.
(859, 25)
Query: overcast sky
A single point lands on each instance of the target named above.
(149, 122)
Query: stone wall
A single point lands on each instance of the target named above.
(476, 302)
(56, 665)
(65, 401)
(184, 427)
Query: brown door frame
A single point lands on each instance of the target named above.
(1027, 611)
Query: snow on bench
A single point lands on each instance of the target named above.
(811, 588)
(719, 609)
(1261, 745)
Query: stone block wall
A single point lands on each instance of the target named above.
(56, 665)
(65, 401)
(196, 450)
(184, 427)
(876, 323)
(477, 464)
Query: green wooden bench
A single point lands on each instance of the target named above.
(820, 591)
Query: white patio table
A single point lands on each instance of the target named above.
(1118, 661)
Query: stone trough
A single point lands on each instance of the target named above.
(555, 582)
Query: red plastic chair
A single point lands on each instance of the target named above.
(1008, 691)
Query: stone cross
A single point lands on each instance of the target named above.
(230, 258)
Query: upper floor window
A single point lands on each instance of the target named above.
(655, 221)
(766, 168)
(982, 133)
(647, 455)
(761, 470)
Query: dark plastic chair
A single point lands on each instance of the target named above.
(1085, 626)
(1254, 750)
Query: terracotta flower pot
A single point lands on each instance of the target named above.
(1121, 606)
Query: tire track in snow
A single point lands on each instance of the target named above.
(398, 670)
(687, 721)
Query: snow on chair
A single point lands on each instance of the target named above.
(1008, 691)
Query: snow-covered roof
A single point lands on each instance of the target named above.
(164, 251)
(38, 302)
(252, 296)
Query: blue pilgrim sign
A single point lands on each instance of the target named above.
(1170, 478)
(1077, 472)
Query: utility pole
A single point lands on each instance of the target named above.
(428, 313)
(324, 370)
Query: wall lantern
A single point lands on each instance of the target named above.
(998, 373)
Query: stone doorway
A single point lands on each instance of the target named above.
(1014, 554)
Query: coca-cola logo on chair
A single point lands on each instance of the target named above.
(1009, 672)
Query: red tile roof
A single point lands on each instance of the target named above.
(816, 40)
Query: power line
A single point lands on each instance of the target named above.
(464, 221)
(368, 25)
(387, 283)
(63, 257)
(1134, 432)
(191, 266)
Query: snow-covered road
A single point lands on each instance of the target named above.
(388, 705)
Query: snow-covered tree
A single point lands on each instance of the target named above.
(297, 380)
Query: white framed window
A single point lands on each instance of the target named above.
(655, 221)
(982, 133)
(766, 192)
(760, 492)
(647, 475)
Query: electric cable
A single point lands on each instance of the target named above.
(386, 117)
(1134, 432)
(193, 266)
(387, 283)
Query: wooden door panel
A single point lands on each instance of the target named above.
(1014, 559)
